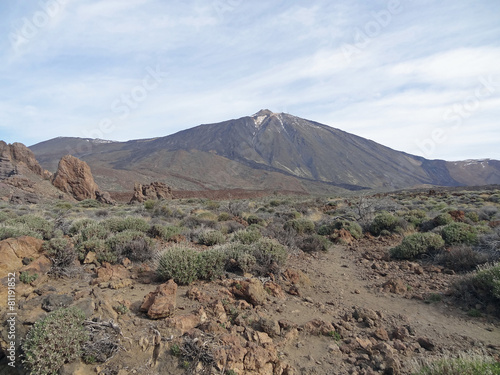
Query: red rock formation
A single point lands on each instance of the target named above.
(17, 159)
(74, 177)
(155, 190)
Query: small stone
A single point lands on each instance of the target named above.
(426, 343)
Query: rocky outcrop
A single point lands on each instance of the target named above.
(162, 302)
(17, 159)
(154, 191)
(14, 250)
(74, 177)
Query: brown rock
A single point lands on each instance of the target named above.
(260, 358)
(91, 257)
(400, 333)
(14, 250)
(184, 323)
(426, 343)
(110, 272)
(40, 266)
(364, 343)
(17, 159)
(219, 312)
(251, 290)
(381, 334)
(396, 286)
(154, 191)
(104, 197)
(162, 302)
(296, 277)
(319, 327)
(74, 177)
(196, 294)
(270, 326)
(274, 289)
(343, 236)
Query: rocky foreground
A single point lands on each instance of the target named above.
(348, 311)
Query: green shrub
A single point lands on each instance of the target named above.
(487, 279)
(6, 215)
(116, 224)
(35, 223)
(458, 233)
(417, 244)
(89, 203)
(415, 217)
(384, 222)
(463, 366)
(149, 204)
(247, 236)
(461, 258)
(269, 254)
(131, 244)
(254, 219)
(98, 246)
(472, 216)
(94, 231)
(63, 206)
(17, 230)
(77, 226)
(62, 254)
(301, 226)
(224, 216)
(26, 278)
(313, 243)
(165, 232)
(179, 263)
(212, 205)
(211, 238)
(54, 340)
(442, 219)
(239, 256)
(211, 263)
(352, 227)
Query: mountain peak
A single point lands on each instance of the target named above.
(263, 112)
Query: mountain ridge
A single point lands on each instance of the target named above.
(266, 150)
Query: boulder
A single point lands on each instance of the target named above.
(110, 272)
(17, 159)
(154, 191)
(104, 197)
(74, 177)
(162, 302)
(251, 290)
(14, 250)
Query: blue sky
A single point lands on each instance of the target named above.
(418, 76)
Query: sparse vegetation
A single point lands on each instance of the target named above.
(384, 223)
(459, 233)
(465, 365)
(54, 340)
(26, 278)
(417, 244)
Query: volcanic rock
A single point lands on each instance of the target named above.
(14, 250)
(74, 177)
(154, 191)
(17, 159)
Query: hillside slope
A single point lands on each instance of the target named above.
(264, 151)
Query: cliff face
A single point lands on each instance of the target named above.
(16, 160)
(74, 177)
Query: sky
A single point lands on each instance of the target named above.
(417, 76)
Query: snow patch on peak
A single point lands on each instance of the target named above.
(259, 120)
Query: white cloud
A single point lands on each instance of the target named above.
(226, 64)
